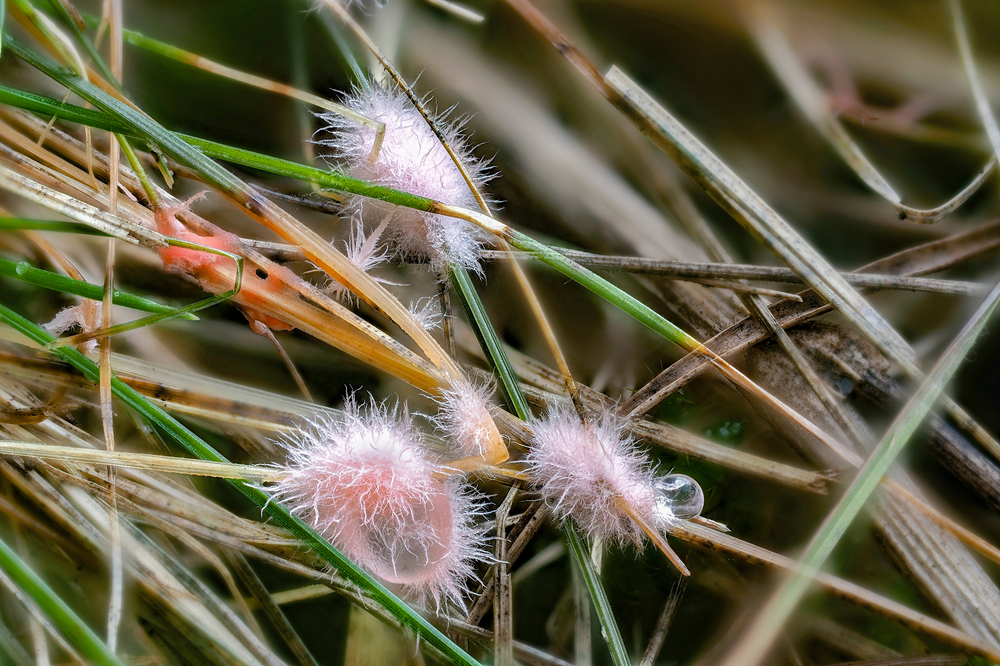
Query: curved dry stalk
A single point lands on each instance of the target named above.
(972, 73)
(779, 55)
(778, 52)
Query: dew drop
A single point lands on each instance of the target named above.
(678, 496)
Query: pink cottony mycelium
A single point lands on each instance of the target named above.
(367, 482)
(411, 159)
(586, 471)
(464, 420)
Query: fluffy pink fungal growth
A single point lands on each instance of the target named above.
(413, 160)
(586, 471)
(366, 483)
(464, 420)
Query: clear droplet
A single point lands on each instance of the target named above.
(678, 496)
(406, 552)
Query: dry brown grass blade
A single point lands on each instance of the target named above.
(191, 543)
(246, 648)
(930, 660)
(730, 271)
(503, 612)
(909, 618)
(927, 258)
(847, 641)
(217, 401)
(83, 518)
(147, 461)
(108, 424)
(663, 623)
(532, 519)
(964, 535)
(266, 602)
(655, 537)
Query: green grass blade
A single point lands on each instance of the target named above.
(609, 627)
(322, 177)
(75, 629)
(28, 224)
(488, 340)
(48, 107)
(186, 439)
(344, 49)
(598, 285)
(760, 635)
(63, 13)
(48, 280)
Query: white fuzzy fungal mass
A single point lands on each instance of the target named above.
(584, 470)
(411, 159)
